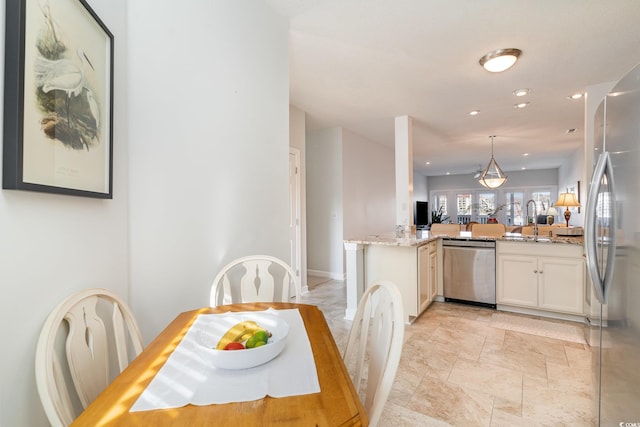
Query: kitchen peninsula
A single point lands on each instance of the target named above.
(541, 276)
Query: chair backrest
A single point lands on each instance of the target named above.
(470, 225)
(488, 230)
(543, 230)
(445, 229)
(100, 327)
(253, 278)
(379, 319)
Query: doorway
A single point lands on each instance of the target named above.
(294, 212)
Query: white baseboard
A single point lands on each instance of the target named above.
(326, 274)
(349, 313)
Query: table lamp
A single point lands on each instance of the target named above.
(551, 215)
(567, 200)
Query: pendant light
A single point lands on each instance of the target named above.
(492, 177)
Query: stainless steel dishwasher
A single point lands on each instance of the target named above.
(470, 271)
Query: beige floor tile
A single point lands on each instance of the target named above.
(548, 406)
(488, 378)
(574, 381)
(398, 416)
(580, 358)
(552, 350)
(451, 403)
(458, 370)
(529, 363)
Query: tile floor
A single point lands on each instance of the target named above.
(459, 370)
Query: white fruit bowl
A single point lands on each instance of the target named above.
(208, 338)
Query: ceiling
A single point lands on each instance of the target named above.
(357, 64)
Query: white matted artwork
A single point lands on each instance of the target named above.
(58, 114)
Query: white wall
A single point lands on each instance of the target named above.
(324, 203)
(297, 139)
(209, 98)
(572, 171)
(53, 245)
(368, 172)
(350, 193)
(420, 187)
(207, 176)
(527, 178)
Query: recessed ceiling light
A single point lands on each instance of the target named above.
(474, 112)
(521, 92)
(525, 154)
(448, 173)
(577, 95)
(427, 163)
(500, 60)
(523, 168)
(520, 105)
(616, 93)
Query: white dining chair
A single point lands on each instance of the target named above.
(488, 230)
(439, 229)
(100, 327)
(375, 344)
(255, 278)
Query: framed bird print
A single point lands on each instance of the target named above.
(58, 99)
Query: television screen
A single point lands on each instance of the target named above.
(422, 213)
(541, 219)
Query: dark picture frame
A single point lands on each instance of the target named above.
(58, 99)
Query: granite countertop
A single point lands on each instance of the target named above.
(423, 237)
(390, 239)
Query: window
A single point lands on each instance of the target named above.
(508, 205)
(486, 204)
(543, 201)
(514, 203)
(463, 208)
(440, 203)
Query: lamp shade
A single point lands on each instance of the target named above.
(552, 211)
(567, 200)
(492, 177)
(500, 60)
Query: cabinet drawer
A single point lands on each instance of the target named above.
(540, 249)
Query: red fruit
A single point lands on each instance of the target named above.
(234, 346)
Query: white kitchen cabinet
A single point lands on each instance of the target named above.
(561, 284)
(433, 271)
(544, 276)
(516, 282)
(412, 268)
(427, 274)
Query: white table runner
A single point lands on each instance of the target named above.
(186, 378)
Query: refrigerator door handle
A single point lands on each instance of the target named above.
(601, 280)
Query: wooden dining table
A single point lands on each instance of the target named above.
(337, 403)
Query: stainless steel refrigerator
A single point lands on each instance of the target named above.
(612, 243)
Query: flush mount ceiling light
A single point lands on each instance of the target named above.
(521, 92)
(500, 60)
(492, 177)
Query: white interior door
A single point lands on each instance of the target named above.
(294, 210)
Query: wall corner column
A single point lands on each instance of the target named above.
(354, 255)
(404, 175)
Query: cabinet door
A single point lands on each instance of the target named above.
(561, 284)
(424, 277)
(517, 281)
(433, 271)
